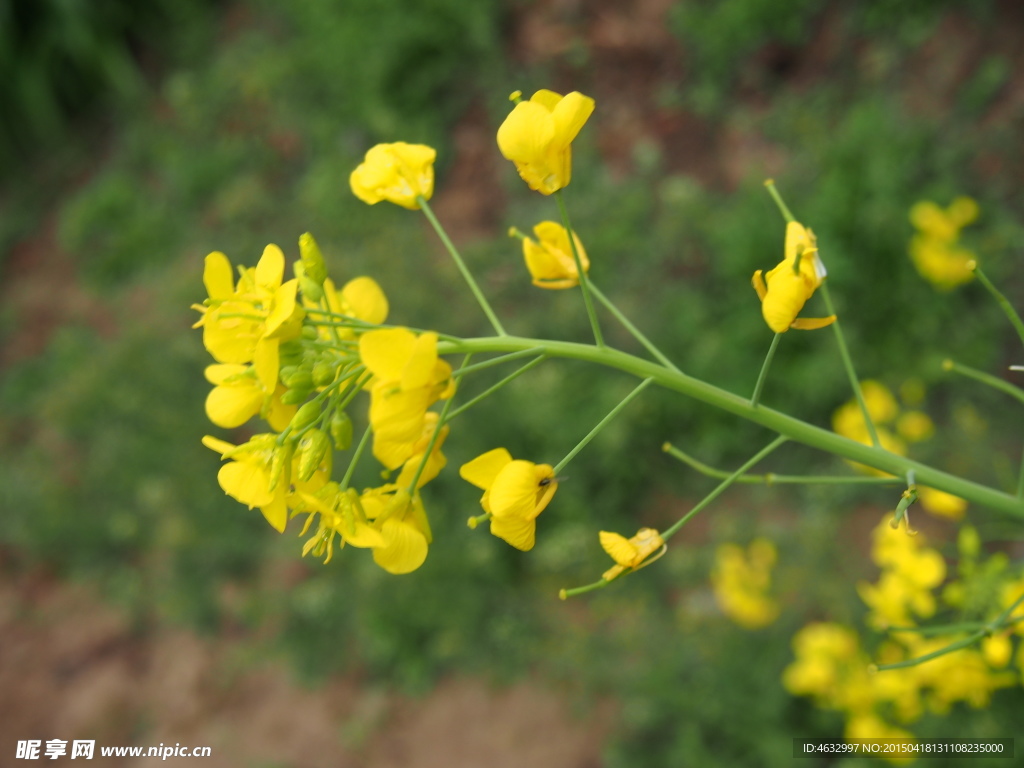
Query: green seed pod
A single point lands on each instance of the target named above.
(324, 373)
(313, 446)
(281, 464)
(341, 430)
(312, 259)
(306, 415)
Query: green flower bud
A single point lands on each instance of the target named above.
(281, 464)
(295, 396)
(313, 446)
(324, 373)
(312, 259)
(341, 430)
(311, 290)
(306, 415)
(300, 378)
(310, 331)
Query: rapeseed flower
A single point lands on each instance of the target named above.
(537, 136)
(402, 522)
(935, 249)
(787, 287)
(398, 173)
(741, 579)
(631, 553)
(549, 258)
(238, 396)
(515, 493)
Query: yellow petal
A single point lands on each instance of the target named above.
(482, 470)
(404, 550)
(421, 363)
(284, 311)
(247, 482)
(569, 115)
(276, 512)
(270, 268)
(385, 352)
(216, 444)
(266, 361)
(365, 300)
(618, 548)
(518, 532)
(526, 133)
(231, 407)
(514, 491)
(547, 99)
(217, 276)
(812, 323)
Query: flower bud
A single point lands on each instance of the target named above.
(313, 446)
(324, 373)
(341, 430)
(300, 378)
(281, 464)
(306, 415)
(312, 260)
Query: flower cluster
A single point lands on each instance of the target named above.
(935, 248)
(832, 667)
(742, 579)
(895, 426)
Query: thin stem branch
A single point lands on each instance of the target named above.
(756, 397)
(498, 361)
(603, 423)
(491, 390)
(481, 300)
(984, 378)
(771, 478)
(1011, 313)
(356, 455)
(636, 333)
(584, 278)
(723, 485)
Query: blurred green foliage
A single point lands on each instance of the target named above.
(251, 141)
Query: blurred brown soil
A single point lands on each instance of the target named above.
(72, 667)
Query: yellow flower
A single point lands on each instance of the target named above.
(360, 298)
(247, 322)
(787, 287)
(402, 523)
(398, 173)
(408, 377)
(741, 580)
(549, 258)
(629, 554)
(824, 651)
(848, 421)
(935, 250)
(515, 493)
(261, 474)
(340, 515)
(238, 396)
(941, 503)
(537, 136)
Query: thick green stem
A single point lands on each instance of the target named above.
(756, 397)
(791, 427)
(484, 304)
(628, 325)
(584, 278)
(602, 424)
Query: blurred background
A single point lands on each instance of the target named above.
(140, 605)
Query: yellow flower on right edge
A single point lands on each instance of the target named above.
(935, 249)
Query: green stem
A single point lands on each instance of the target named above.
(602, 424)
(491, 390)
(648, 345)
(1020, 479)
(984, 378)
(437, 431)
(844, 353)
(724, 484)
(954, 646)
(1011, 313)
(567, 593)
(484, 305)
(793, 428)
(584, 278)
(771, 478)
(756, 397)
(783, 209)
(356, 455)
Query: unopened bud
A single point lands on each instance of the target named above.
(281, 463)
(314, 446)
(306, 415)
(341, 430)
(324, 373)
(312, 259)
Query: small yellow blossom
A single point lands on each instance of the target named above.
(402, 523)
(631, 553)
(515, 493)
(787, 287)
(238, 396)
(941, 504)
(935, 250)
(741, 580)
(398, 173)
(537, 136)
(550, 259)
(848, 421)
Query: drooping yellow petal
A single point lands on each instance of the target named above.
(405, 547)
(619, 548)
(285, 312)
(247, 482)
(266, 361)
(365, 300)
(482, 470)
(232, 406)
(519, 532)
(526, 133)
(276, 512)
(514, 492)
